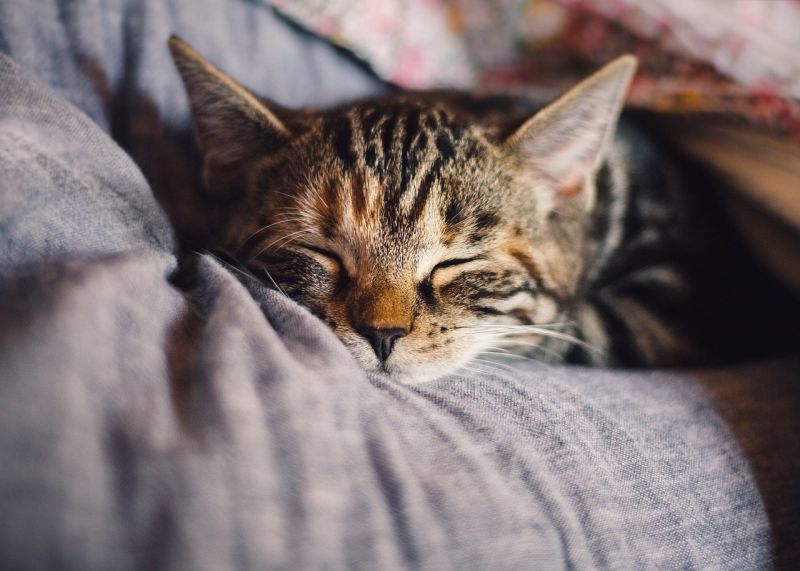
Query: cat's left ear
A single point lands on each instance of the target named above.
(564, 143)
(232, 124)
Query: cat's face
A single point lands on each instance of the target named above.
(397, 226)
(418, 233)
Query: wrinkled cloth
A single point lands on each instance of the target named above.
(164, 416)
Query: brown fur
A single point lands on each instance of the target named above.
(405, 213)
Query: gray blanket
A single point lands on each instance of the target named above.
(208, 423)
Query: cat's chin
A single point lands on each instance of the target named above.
(412, 378)
(418, 374)
(406, 367)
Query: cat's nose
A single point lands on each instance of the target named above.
(382, 340)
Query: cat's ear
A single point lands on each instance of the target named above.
(232, 124)
(565, 142)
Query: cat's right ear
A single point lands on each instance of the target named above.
(565, 143)
(232, 124)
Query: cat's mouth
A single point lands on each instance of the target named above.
(425, 354)
(405, 367)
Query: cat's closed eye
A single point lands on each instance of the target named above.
(454, 263)
(330, 259)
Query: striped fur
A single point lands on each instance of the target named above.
(464, 226)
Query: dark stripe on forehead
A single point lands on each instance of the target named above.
(414, 144)
(421, 146)
(371, 156)
(430, 122)
(387, 136)
(369, 119)
(409, 156)
(456, 132)
(250, 248)
(334, 208)
(343, 141)
(358, 193)
(445, 146)
(424, 190)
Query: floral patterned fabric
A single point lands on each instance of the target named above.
(740, 58)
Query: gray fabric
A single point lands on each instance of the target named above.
(108, 58)
(217, 425)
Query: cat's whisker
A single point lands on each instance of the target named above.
(310, 188)
(534, 330)
(299, 209)
(268, 246)
(499, 366)
(289, 238)
(496, 334)
(313, 190)
(511, 355)
(246, 272)
(505, 334)
(475, 368)
(556, 354)
(576, 341)
(283, 241)
(474, 365)
(535, 347)
(501, 350)
(279, 288)
(263, 228)
(465, 368)
(241, 269)
(517, 326)
(287, 195)
(496, 326)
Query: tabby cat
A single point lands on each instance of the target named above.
(428, 229)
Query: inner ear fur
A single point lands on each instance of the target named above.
(565, 143)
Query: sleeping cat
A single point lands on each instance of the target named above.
(428, 229)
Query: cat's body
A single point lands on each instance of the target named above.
(426, 229)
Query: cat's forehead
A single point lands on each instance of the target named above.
(397, 180)
(411, 166)
(407, 144)
(398, 128)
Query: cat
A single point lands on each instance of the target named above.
(427, 229)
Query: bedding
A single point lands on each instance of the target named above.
(694, 57)
(159, 411)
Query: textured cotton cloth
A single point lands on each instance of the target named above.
(162, 417)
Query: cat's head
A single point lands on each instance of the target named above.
(416, 229)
